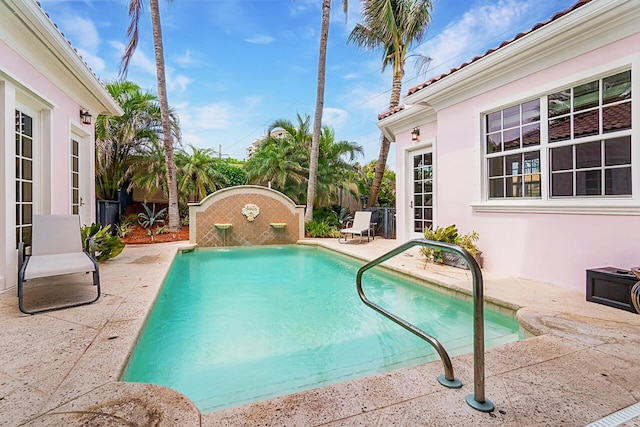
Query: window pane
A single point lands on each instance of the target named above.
(26, 192)
(18, 146)
(74, 179)
(513, 164)
(589, 183)
(559, 129)
(417, 213)
(17, 121)
(18, 169)
(494, 143)
(26, 214)
(617, 151)
(616, 88)
(428, 200)
(511, 139)
(531, 135)
(417, 200)
(586, 96)
(511, 117)
(26, 235)
(494, 121)
(27, 125)
(428, 214)
(496, 188)
(617, 181)
(27, 172)
(562, 184)
(531, 111)
(616, 117)
(75, 196)
(514, 186)
(417, 187)
(496, 167)
(417, 161)
(562, 158)
(417, 227)
(588, 155)
(74, 147)
(532, 162)
(531, 185)
(559, 103)
(27, 144)
(586, 124)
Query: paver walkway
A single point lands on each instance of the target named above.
(62, 368)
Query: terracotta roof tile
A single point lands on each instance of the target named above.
(537, 26)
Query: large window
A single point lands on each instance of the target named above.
(24, 176)
(581, 149)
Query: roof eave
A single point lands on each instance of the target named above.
(41, 25)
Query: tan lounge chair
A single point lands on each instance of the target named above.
(361, 225)
(56, 249)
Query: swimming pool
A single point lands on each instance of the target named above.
(232, 326)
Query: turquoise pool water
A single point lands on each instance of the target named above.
(232, 326)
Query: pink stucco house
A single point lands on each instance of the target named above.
(535, 145)
(46, 145)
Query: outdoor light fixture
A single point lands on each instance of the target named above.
(415, 133)
(85, 116)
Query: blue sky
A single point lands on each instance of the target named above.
(235, 66)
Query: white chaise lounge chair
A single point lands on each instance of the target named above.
(56, 249)
(361, 225)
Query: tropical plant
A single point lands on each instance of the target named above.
(451, 235)
(342, 214)
(198, 173)
(123, 229)
(150, 217)
(320, 228)
(391, 26)
(317, 118)
(106, 245)
(364, 178)
(282, 162)
(119, 139)
(135, 10)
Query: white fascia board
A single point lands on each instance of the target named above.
(405, 120)
(91, 90)
(589, 27)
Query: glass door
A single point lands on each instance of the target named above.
(421, 203)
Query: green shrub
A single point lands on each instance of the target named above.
(107, 246)
(449, 234)
(320, 228)
(326, 215)
(124, 228)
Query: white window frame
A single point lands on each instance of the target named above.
(617, 205)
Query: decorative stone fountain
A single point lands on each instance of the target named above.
(635, 290)
(245, 215)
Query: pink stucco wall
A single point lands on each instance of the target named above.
(549, 247)
(63, 116)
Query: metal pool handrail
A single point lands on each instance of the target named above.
(477, 400)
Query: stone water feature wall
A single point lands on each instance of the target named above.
(245, 215)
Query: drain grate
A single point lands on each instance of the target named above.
(618, 418)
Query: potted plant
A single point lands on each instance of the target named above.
(451, 235)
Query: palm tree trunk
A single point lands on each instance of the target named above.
(317, 118)
(174, 216)
(385, 143)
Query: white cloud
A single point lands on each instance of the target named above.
(186, 59)
(178, 83)
(139, 60)
(260, 40)
(334, 117)
(478, 29)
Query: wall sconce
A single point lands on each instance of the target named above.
(415, 134)
(85, 116)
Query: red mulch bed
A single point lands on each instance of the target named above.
(141, 235)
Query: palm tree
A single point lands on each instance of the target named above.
(335, 164)
(120, 139)
(282, 161)
(135, 10)
(317, 118)
(391, 26)
(197, 172)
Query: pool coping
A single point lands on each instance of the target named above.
(92, 356)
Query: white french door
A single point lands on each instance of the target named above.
(420, 165)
